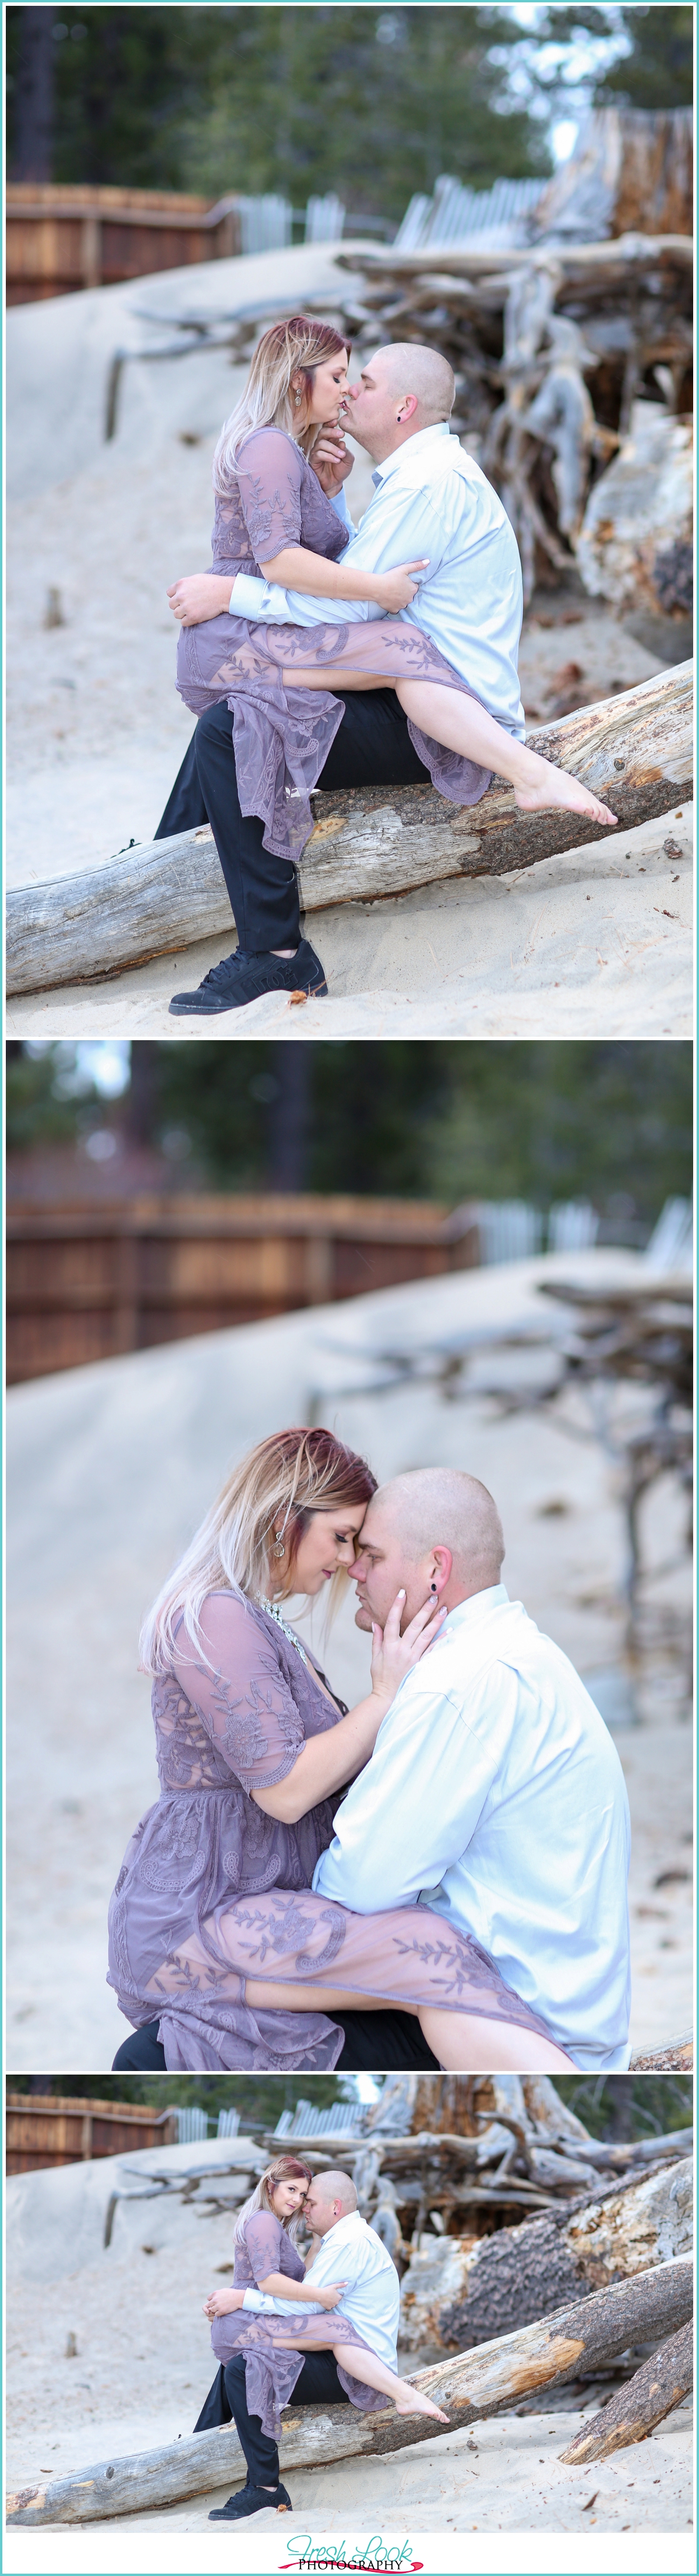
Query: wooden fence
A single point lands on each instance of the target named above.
(60, 239)
(45, 2129)
(87, 1283)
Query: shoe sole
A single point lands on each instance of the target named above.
(181, 1010)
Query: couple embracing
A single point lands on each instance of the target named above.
(314, 656)
(319, 2333)
(436, 1876)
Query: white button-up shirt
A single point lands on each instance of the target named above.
(495, 1795)
(350, 2252)
(431, 500)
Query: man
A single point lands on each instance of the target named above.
(345, 2248)
(431, 502)
(494, 1794)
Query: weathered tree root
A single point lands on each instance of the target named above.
(654, 2391)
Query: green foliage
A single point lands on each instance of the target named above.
(373, 103)
(555, 1120)
(496, 1119)
(36, 1111)
(259, 2098)
(657, 72)
(648, 2106)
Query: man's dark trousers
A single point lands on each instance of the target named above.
(317, 2385)
(372, 748)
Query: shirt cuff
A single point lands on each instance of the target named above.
(251, 597)
(257, 2299)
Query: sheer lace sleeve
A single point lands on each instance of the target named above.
(244, 1699)
(262, 2237)
(270, 2249)
(269, 469)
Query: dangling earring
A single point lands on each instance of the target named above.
(280, 1549)
(297, 399)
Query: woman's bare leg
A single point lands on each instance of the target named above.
(460, 723)
(366, 2365)
(492, 2045)
(465, 2043)
(451, 717)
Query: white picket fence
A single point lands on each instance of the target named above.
(453, 213)
(341, 2120)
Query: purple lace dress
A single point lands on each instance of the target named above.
(272, 2362)
(282, 737)
(213, 1893)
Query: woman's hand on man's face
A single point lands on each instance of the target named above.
(331, 460)
(393, 1655)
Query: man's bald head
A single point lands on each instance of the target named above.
(435, 1526)
(403, 388)
(408, 368)
(330, 2196)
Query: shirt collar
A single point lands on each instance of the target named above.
(467, 1613)
(411, 447)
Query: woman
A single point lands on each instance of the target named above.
(274, 455)
(266, 2258)
(213, 1917)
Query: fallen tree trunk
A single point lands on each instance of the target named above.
(654, 2391)
(634, 750)
(474, 2385)
(676, 2057)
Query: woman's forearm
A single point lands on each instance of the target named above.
(326, 1763)
(278, 2286)
(298, 569)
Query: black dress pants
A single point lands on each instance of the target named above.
(318, 2384)
(374, 2043)
(372, 748)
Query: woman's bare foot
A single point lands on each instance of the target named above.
(556, 787)
(413, 2402)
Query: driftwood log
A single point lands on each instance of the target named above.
(654, 2391)
(634, 750)
(474, 2385)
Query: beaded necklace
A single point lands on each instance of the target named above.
(274, 1613)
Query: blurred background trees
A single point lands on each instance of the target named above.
(373, 103)
(444, 1120)
(611, 2107)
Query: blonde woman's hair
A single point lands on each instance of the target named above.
(288, 349)
(285, 2169)
(275, 1488)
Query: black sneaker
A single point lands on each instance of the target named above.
(252, 2500)
(249, 972)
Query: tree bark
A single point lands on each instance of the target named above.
(634, 750)
(655, 2389)
(474, 2385)
(522, 2273)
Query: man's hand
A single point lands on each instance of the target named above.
(331, 460)
(331, 2297)
(394, 590)
(220, 2302)
(199, 595)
